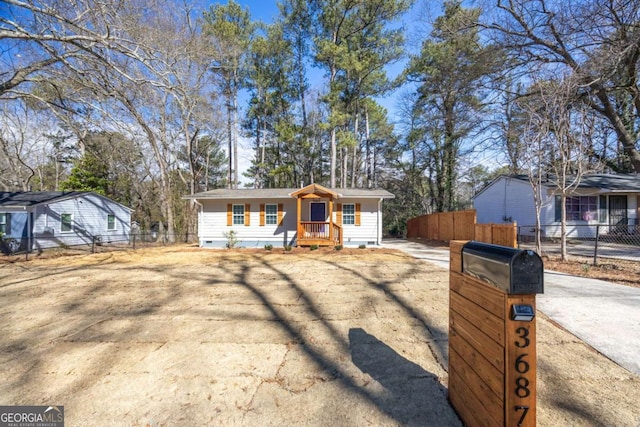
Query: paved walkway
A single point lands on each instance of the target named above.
(603, 314)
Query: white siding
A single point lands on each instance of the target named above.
(506, 198)
(213, 223)
(367, 232)
(89, 213)
(633, 207)
(513, 198)
(548, 211)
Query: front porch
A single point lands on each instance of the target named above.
(319, 233)
(317, 203)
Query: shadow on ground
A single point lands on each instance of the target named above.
(409, 388)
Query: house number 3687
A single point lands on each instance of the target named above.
(522, 367)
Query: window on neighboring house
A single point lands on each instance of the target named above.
(111, 222)
(348, 213)
(271, 214)
(66, 222)
(578, 208)
(4, 223)
(238, 214)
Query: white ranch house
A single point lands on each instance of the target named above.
(313, 215)
(611, 200)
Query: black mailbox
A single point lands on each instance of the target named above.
(515, 271)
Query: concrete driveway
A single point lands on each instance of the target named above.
(604, 315)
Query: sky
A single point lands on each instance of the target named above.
(416, 23)
(267, 11)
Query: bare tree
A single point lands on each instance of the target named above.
(597, 42)
(16, 146)
(559, 132)
(533, 158)
(136, 68)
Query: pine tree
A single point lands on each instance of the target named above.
(231, 30)
(89, 173)
(450, 69)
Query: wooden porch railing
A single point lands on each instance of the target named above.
(317, 233)
(337, 234)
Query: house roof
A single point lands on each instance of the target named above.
(611, 182)
(280, 193)
(619, 182)
(26, 199)
(606, 183)
(32, 198)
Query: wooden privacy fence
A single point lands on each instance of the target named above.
(461, 225)
(497, 234)
(443, 226)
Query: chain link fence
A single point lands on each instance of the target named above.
(73, 244)
(598, 241)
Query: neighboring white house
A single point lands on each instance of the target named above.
(600, 199)
(290, 216)
(44, 219)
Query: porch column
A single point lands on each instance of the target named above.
(331, 219)
(298, 218)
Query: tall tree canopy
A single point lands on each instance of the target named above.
(125, 97)
(597, 43)
(230, 29)
(353, 44)
(451, 69)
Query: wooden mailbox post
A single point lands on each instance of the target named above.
(492, 334)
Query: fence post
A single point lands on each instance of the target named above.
(134, 241)
(595, 249)
(93, 244)
(491, 230)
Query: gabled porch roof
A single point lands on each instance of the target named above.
(317, 232)
(314, 191)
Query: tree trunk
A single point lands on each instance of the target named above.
(235, 139)
(563, 227)
(369, 164)
(354, 162)
(627, 141)
(230, 143)
(165, 183)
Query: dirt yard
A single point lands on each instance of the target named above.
(184, 336)
(610, 270)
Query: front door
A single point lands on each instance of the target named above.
(618, 211)
(318, 212)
